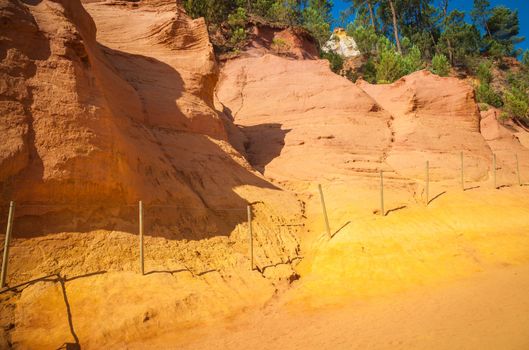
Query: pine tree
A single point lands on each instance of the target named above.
(317, 19)
(481, 13)
(504, 27)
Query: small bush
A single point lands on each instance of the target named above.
(280, 45)
(352, 75)
(390, 67)
(412, 61)
(504, 116)
(335, 60)
(365, 37)
(485, 94)
(496, 50)
(238, 38)
(237, 22)
(369, 71)
(316, 24)
(483, 107)
(484, 72)
(440, 65)
(517, 104)
(238, 19)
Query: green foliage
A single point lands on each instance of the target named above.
(413, 17)
(483, 107)
(481, 13)
(322, 7)
(427, 30)
(517, 104)
(237, 22)
(363, 11)
(335, 60)
(352, 75)
(212, 11)
(484, 72)
(494, 49)
(423, 41)
(238, 38)
(504, 27)
(314, 21)
(366, 38)
(412, 61)
(369, 71)
(440, 65)
(392, 65)
(459, 39)
(279, 42)
(389, 68)
(504, 116)
(486, 94)
(280, 45)
(262, 7)
(525, 59)
(238, 19)
(285, 11)
(519, 80)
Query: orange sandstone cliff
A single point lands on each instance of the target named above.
(95, 120)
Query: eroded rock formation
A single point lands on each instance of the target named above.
(95, 122)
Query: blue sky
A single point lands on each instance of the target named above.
(466, 5)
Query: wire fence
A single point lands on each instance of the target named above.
(517, 181)
(135, 217)
(142, 219)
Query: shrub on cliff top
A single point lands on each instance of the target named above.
(486, 94)
(335, 60)
(517, 104)
(484, 72)
(392, 65)
(440, 65)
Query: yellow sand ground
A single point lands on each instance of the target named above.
(458, 234)
(454, 275)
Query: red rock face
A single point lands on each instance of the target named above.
(302, 121)
(104, 120)
(433, 119)
(508, 141)
(287, 42)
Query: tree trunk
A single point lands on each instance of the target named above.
(488, 30)
(395, 26)
(445, 9)
(450, 52)
(434, 43)
(370, 7)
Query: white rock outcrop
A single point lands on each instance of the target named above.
(342, 44)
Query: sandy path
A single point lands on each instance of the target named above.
(488, 311)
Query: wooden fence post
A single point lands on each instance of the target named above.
(462, 172)
(250, 233)
(382, 211)
(494, 166)
(140, 213)
(427, 182)
(7, 240)
(518, 171)
(327, 226)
